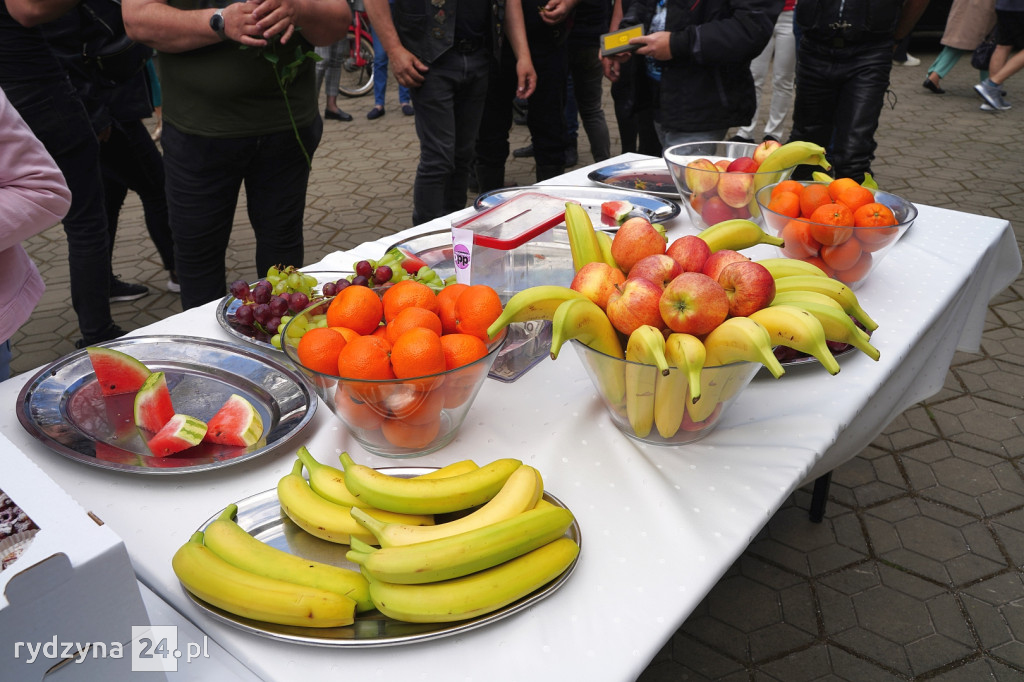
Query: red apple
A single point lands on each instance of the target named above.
(634, 303)
(690, 251)
(660, 268)
(635, 239)
(748, 285)
(743, 164)
(715, 211)
(597, 281)
(717, 261)
(693, 303)
(764, 150)
(700, 175)
(736, 189)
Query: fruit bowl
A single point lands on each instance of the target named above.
(848, 253)
(398, 418)
(709, 200)
(674, 419)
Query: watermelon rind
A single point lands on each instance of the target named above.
(180, 433)
(153, 407)
(237, 423)
(616, 210)
(116, 372)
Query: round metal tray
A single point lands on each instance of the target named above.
(654, 208)
(642, 175)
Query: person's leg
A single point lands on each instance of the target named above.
(380, 77)
(545, 116)
(623, 99)
(783, 75)
(759, 70)
(491, 144)
(814, 107)
(5, 360)
(471, 93)
(588, 86)
(332, 79)
(865, 80)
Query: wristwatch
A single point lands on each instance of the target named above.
(217, 23)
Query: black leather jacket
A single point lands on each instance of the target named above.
(427, 27)
(848, 21)
(707, 84)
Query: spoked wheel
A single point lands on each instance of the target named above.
(356, 78)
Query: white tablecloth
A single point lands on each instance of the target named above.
(660, 525)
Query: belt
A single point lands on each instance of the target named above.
(467, 46)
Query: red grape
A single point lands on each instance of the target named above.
(360, 280)
(382, 275)
(240, 290)
(364, 268)
(278, 306)
(244, 314)
(299, 301)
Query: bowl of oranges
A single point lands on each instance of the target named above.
(841, 226)
(400, 367)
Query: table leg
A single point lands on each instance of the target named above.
(819, 498)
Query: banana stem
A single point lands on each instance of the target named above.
(229, 512)
(297, 467)
(307, 459)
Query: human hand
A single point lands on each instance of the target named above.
(526, 77)
(612, 66)
(273, 18)
(655, 45)
(409, 71)
(241, 26)
(556, 11)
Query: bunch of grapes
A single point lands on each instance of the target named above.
(396, 266)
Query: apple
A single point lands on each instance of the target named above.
(635, 239)
(634, 303)
(748, 285)
(743, 164)
(700, 175)
(597, 281)
(690, 251)
(736, 189)
(722, 164)
(715, 211)
(717, 261)
(660, 268)
(693, 303)
(764, 150)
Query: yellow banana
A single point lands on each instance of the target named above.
(645, 352)
(787, 267)
(478, 593)
(685, 354)
(520, 493)
(832, 288)
(772, 169)
(535, 303)
(822, 177)
(604, 240)
(737, 234)
(584, 320)
(839, 327)
(583, 242)
(246, 594)
(465, 553)
(798, 329)
(427, 496)
(233, 544)
(327, 520)
(741, 339)
(789, 297)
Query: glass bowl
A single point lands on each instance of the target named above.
(848, 254)
(709, 200)
(398, 418)
(674, 419)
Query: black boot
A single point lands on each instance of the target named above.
(544, 172)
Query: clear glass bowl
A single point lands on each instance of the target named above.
(674, 419)
(399, 418)
(865, 247)
(707, 199)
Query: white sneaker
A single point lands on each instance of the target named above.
(986, 107)
(911, 61)
(992, 95)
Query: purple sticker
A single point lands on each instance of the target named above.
(460, 254)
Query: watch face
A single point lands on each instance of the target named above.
(217, 23)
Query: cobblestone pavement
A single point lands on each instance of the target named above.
(915, 572)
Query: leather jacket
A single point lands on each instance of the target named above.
(427, 27)
(848, 21)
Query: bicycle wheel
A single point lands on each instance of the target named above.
(357, 69)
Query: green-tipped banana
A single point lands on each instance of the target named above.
(741, 339)
(465, 553)
(796, 153)
(584, 320)
(583, 242)
(604, 240)
(520, 493)
(737, 234)
(788, 267)
(798, 329)
(535, 303)
(795, 297)
(645, 352)
(685, 354)
(233, 544)
(822, 177)
(246, 594)
(839, 327)
(869, 181)
(427, 496)
(833, 288)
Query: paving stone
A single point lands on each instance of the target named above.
(996, 608)
(981, 669)
(806, 548)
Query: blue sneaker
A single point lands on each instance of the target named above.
(992, 94)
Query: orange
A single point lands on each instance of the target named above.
(785, 203)
(382, 332)
(858, 272)
(798, 242)
(411, 318)
(418, 407)
(476, 309)
(811, 198)
(365, 358)
(831, 224)
(855, 197)
(873, 215)
(876, 238)
(788, 186)
(836, 187)
(816, 260)
(349, 334)
(356, 307)
(355, 412)
(842, 256)
(318, 349)
(461, 349)
(446, 305)
(408, 294)
(417, 353)
(411, 436)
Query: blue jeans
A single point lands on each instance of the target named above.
(449, 105)
(5, 360)
(204, 176)
(380, 74)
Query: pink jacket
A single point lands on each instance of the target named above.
(33, 198)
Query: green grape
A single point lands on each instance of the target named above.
(272, 271)
(294, 280)
(308, 282)
(285, 319)
(295, 332)
(275, 341)
(281, 287)
(273, 279)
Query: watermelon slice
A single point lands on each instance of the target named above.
(412, 264)
(116, 372)
(616, 210)
(153, 407)
(180, 433)
(236, 423)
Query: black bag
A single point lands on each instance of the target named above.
(115, 56)
(983, 53)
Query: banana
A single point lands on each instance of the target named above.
(458, 555)
(869, 181)
(535, 303)
(323, 519)
(604, 240)
(823, 178)
(798, 329)
(230, 542)
(737, 234)
(427, 496)
(584, 320)
(685, 354)
(796, 153)
(795, 297)
(839, 327)
(520, 493)
(832, 288)
(478, 593)
(787, 267)
(741, 339)
(645, 352)
(583, 242)
(246, 594)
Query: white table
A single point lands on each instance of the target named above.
(660, 525)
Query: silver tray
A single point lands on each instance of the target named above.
(642, 175)
(262, 517)
(62, 405)
(656, 209)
